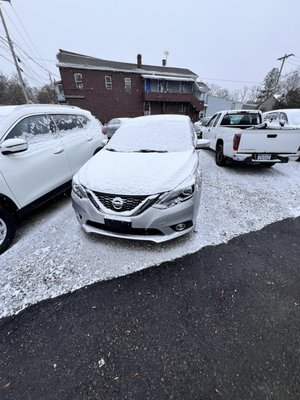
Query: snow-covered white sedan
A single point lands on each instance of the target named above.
(145, 184)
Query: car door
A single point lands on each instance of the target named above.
(77, 136)
(42, 167)
(210, 130)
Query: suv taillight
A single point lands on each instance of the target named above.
(236, 141)
(104, 130)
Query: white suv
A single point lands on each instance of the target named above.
(41, 148)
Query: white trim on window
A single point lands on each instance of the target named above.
(108, 82)
(78, 80)
(127, 83)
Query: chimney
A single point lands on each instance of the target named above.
(164, 62)
(139, 61)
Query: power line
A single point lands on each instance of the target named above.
(293, 63)
(25, 66)
(227, 80)
(40, 78)
(25, 30)
(1, 55)
(14, 56)
(28, 46)
(30, 58)
(45, 69)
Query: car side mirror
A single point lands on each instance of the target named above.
(12, 146)
(202, 144)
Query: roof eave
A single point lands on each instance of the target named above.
(133, 71)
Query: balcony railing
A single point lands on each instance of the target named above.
(175, 98)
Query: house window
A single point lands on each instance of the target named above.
(163, 86)
(108, 82)
(127, 82)
(182, 108)
(182, 87)
(147, 108)
(78, 81)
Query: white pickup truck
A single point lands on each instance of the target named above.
(240, 135)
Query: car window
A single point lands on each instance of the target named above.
(33, 129)
(83, 120)
(283, 116)
(212, 120)
(273, 117)
(66, 122)
(241, 119)
(217, 119)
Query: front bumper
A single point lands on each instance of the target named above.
(156, 225)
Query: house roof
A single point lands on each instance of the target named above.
(67, 59)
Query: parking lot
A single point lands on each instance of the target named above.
(51, 255)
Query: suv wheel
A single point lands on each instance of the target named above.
(7, 229)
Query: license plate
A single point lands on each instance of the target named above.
(116, 224)
(264, 156)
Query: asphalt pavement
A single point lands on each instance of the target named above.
(223, 323)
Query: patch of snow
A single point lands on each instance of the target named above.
(52, 255)
(120, 173)
(170, 133)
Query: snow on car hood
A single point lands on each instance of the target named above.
(137, 173)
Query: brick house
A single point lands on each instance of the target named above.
(112, 89)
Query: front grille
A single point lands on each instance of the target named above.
(130, 202)
(128, 230)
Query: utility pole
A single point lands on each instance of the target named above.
(14, 55)
(282, 63)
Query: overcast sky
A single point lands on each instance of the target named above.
(230, 43)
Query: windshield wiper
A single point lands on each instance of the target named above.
(110, 149)
(150, 151)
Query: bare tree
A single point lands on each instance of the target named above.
(216, 90)
(291, 81)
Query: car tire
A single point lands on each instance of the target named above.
(7, 229)
(220, 158)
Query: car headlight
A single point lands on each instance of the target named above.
(78, 189)
(181, 193)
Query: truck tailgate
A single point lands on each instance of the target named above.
(269, 141)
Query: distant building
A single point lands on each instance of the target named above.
(214, 104)
(250, 105)
(116, 89)
(270, 103)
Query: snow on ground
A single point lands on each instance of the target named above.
(52, 255)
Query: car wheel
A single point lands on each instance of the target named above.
(220, 158)
(7, 229)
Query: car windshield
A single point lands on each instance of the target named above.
(153, 134)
